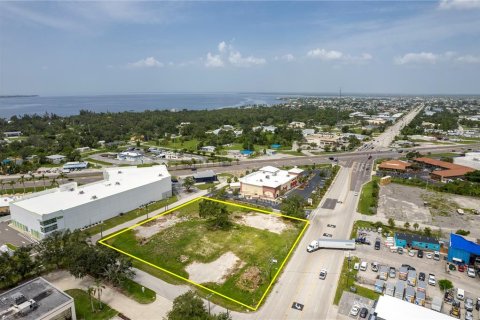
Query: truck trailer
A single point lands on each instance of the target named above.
(331, 244)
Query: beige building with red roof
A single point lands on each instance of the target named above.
(443, 170)
(394, 165)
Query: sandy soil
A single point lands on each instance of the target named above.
(405, 203)
(216, 271)
(152, 228)
(262, 221)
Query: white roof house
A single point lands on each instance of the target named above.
(390, 308)
(270, 177)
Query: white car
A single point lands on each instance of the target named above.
(429, 255)
(431, 279)
(411, 253)
(471, 272)
(323, 274)
(356, 194)
(355, 310)
(356, 266)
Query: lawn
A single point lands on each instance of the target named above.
(292, 153)
(83, 307)
(192, 239)
(205, 186)
(115, 221)
(104, 163)
(347, 279)
(134, 290)
(178, 144)
(367, 199)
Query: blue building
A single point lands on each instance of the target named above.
(416, 241)
(462, 250)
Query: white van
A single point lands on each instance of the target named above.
(460, 212)
(393, 249)
(363, 266)
(460, 294)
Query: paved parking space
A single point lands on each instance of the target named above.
(316, 181)
(350, 299)
(385, 257)
(329, 203)
(9, 235)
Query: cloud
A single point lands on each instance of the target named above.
(459, 4)
(214, 61)
(149, 62)
(422, 57)
(286, 57)
(334, 55)
(227, 55)
(468, 59)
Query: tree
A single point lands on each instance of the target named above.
(406, 225)
(217, 213)
(91, 292)
(415, 226)
(445, 284)
(427, 231)
(391, 222)
(33, 179)
(99, 289)
(188, 306)
(188, 183)
(293, 206)
(462, 232)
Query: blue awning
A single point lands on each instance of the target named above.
(459, 242)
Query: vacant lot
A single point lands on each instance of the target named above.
(236, 262)
(406, 203)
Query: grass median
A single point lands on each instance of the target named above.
(369, 197)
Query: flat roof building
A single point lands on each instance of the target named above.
(36, 300)
(269, 182)
(55, 158)
(205, 176)
(75, 207)
(390, 308)
(394, 165)
(416, 241)
(462, 250)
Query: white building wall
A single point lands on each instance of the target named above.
(94, 211)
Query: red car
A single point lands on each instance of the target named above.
(461, 268)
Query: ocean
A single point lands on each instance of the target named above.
(71, 105)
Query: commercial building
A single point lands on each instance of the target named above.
(269, 182)
(75, 207)
(56, 158)
(130, 156)
(205, 176)
(390, 308)
(416, 241)
(36, 300)
(471, 159)
(394, 165)
(75, 165)
(462, 250)
(442, 170)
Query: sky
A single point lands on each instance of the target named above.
(113, 47)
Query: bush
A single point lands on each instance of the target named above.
(445, 284)
(462, 232)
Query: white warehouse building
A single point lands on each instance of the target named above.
(74, 207)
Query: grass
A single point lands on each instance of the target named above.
(134, 291)
(441, 155)
(205, 186)
(345, 282)
(27, 189)
(192, 239)
(83, 308)
(104, 163)
(292, 153)
(11, 246)
(178, 144)
(367, 201)
(115, 221)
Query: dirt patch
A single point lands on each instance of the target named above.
(216, 271)
(250, 280)
(262, 221)
(151, 228)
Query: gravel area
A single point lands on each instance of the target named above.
(153, 227)
(262, 221)
(406, 203)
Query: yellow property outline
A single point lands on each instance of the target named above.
(307, 222)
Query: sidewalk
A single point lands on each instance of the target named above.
(130, 308)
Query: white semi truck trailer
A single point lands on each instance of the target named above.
(331, 244)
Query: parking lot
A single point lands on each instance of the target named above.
(9, 235)
(384, 257)
(350, 299)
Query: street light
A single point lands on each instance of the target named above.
(272, 261)
(208, 299)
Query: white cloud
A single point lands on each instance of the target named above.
(286, 57)
(149, 62)
(468, 59)
(323, 54)
(334, 55)
(421, 57)
(228, 55)
(459, 4)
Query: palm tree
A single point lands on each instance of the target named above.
(12, 185)
(22, 181)
(99, 288)
(407, 225)
(43, 178)
(2, 185)
(32, 178)
(415, 226)
(91, 293)
(54, 182)
(62, 176)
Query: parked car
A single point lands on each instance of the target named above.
(448, 296)
(468, 315)
(377, 244)
(420, 254)
(363, 266)
(477, 305)
(392, 273)
(461, 268)
(468, 304)
(429, 255)
(363, 313)
(411, 253)
(421, 276)
(431, 279)
(356, 266)
(400, 250)
(374, 266)
(471, 272)
(323, 274)
(355, 310)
